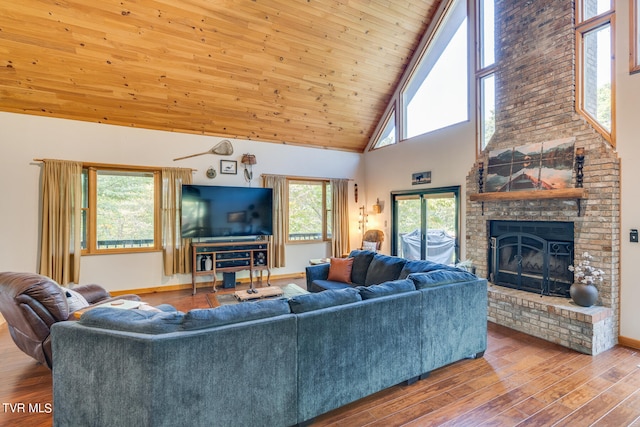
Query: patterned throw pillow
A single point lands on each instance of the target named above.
(370, 246)
(75, 300)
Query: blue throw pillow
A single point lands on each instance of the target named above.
(361, 261)
(141, 321)
(234, 313)
(384, 268)
(440, 277)
(387, 288)
(316, 301)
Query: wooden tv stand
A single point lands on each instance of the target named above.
(228, 256)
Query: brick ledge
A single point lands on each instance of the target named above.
(555, 319)
(559, 306)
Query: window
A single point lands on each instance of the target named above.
(435, 90)
(487, 112)
(309, 210)
(594, 38)
(635, 35)
(485, 72)
(120, 210)
(436, 96)
(388, 134)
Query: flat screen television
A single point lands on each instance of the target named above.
(220, 211)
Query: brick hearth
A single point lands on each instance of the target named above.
(535, 102)
(555, 319)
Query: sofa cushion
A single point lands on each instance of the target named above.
(340, 270)
(421, 266)
(310, 302)
(384, 268)
(234, 313)
(323, 285)
(141, 321)
(387, 288)
(440, 277)
(361, 261)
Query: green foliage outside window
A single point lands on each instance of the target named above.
(440, 215)
(307, 210)
(125, 214)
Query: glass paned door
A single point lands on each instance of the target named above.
(425, 224)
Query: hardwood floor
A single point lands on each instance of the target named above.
(521, 380)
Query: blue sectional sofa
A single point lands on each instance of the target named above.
(268, 363)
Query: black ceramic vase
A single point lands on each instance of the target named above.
(583, 295)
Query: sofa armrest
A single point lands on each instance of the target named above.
(316, 272)
(92, 293)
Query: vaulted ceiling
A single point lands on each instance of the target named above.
(308, 72)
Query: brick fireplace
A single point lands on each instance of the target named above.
(535, 103)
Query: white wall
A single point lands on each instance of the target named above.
(448, 153)
(24, 138)
(628, 146)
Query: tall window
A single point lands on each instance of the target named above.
(435, 91)
(436, 96)
(635, 35)
(485, 71)
(594, 39)
(120, 210)
(309, 210)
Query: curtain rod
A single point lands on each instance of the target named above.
(117, 166)
(308, 178)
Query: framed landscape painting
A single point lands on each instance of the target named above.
(537, 166)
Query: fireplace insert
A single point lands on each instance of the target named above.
(532, 256)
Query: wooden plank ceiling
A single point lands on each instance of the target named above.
(309, 72)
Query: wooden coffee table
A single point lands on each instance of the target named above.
(267, 292)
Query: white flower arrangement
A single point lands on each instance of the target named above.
(585, 273)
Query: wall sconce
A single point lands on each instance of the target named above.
(248, 160)
(579, 166)
(363, 218)
(481, 181)
(377, 208)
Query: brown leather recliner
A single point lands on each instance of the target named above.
(31, 303)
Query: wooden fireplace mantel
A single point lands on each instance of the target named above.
(566, 193)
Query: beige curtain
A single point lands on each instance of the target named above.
(60, 241)
(280, 212)
(176, 251)
(340, 217)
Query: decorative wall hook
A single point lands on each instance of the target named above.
(248, 160)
